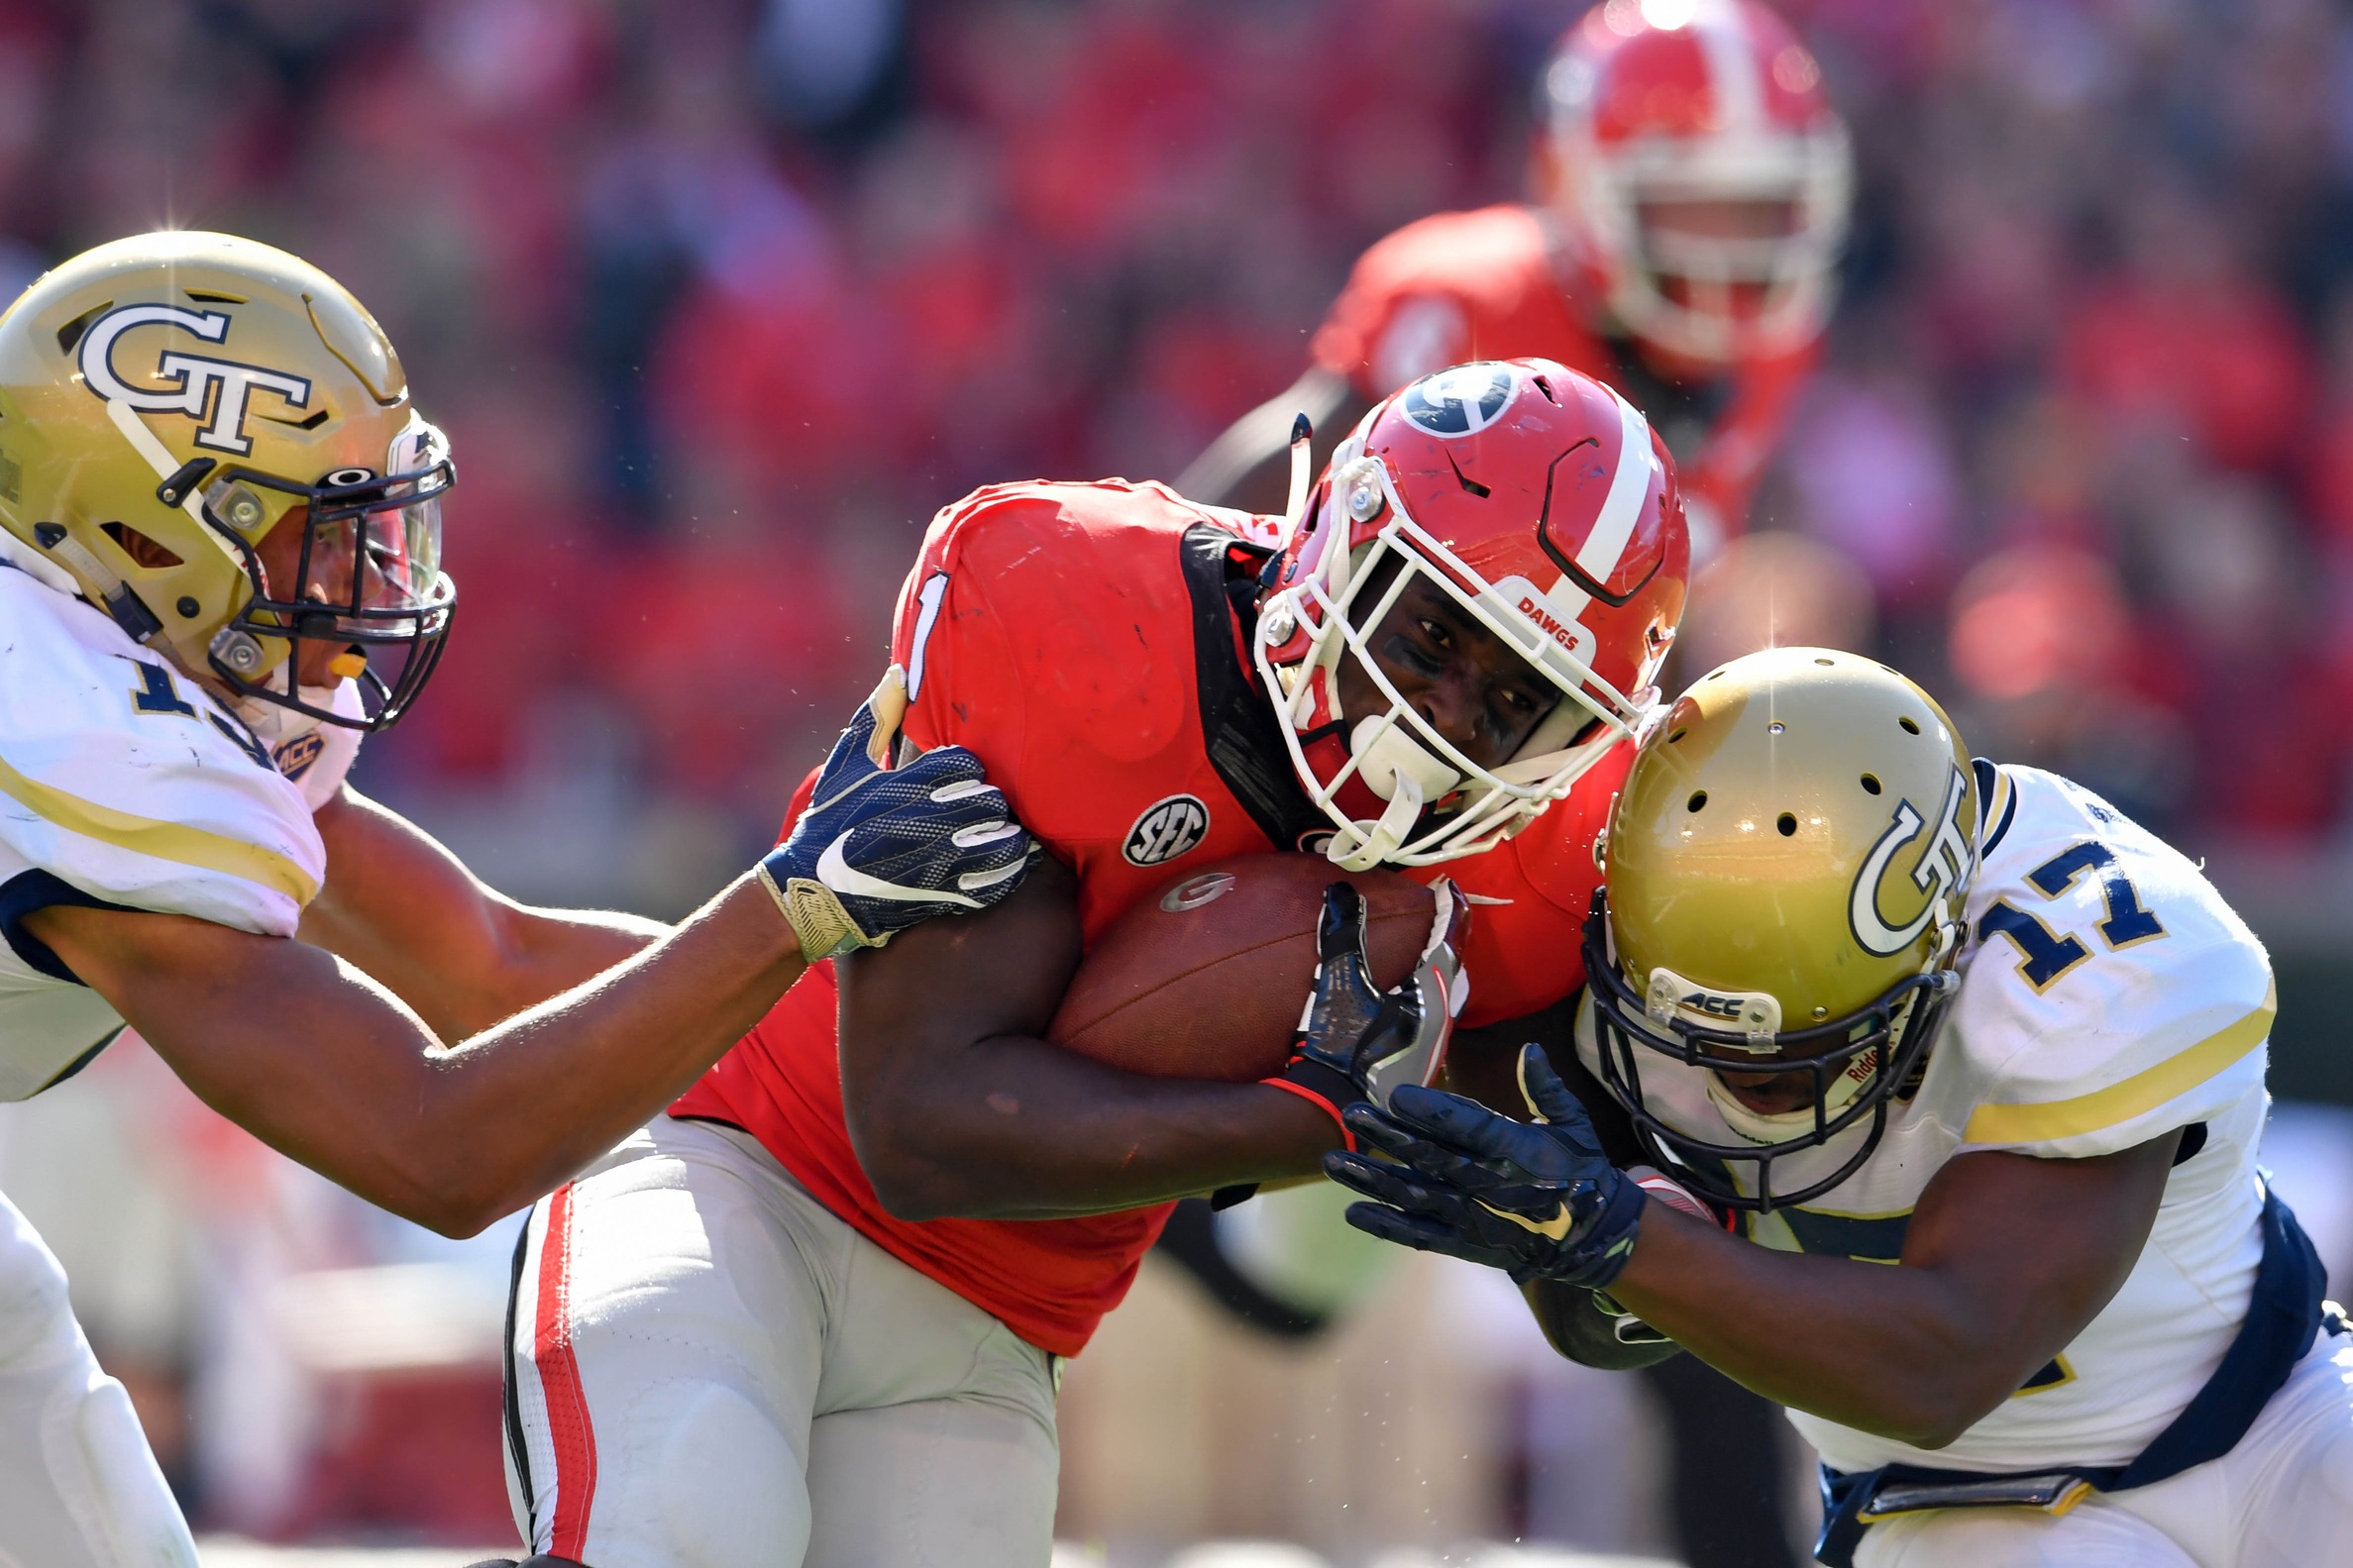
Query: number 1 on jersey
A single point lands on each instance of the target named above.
(155, 693)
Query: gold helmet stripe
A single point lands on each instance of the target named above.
(2136, 1096)
(172, 841)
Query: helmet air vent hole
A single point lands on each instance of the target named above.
(1545, 387)
(1676, 736)
(1822, 660)
(70, 334)
(1699, 797)
(206, 296)
(140, 548)
(1910, 728)
(1871, 783)
(1472, 486)
(1774, 728)
(1787, 825)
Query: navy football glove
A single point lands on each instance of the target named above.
(1539, 1201)
(1357, 1044)
(881, 849)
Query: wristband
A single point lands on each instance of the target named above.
(1318, 1092)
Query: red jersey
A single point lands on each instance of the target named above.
(1086, 640)
(1493, 284)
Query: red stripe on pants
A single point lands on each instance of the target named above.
(575, 1441)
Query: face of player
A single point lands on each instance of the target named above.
(1695, 249)
(1470, 687)
(1770, 1093)
(328, 581)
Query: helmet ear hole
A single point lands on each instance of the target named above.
(147, 552)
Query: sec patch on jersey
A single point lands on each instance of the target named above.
(1166, 829)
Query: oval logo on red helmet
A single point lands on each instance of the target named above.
(1461, 401)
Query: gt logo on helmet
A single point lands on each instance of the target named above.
(1944, 868)
(198, 376)
(1461, 401)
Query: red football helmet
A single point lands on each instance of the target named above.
(1707, 177)
(1540, 501)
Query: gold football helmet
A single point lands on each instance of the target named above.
(1785, 871)
(167, 401)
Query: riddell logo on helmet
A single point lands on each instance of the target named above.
(1574, 634)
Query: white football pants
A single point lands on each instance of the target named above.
(707, 1368)
(2281, 1499)
(78, 1488)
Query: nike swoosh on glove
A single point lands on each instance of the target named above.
(881, 849)
(1539, 1200)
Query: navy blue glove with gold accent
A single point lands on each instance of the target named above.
(1540, 1200)
(883, 848)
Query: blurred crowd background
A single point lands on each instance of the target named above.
(720, 299)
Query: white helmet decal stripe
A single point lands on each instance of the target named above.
(1621, 509)
(1732, 61)
(934, 590)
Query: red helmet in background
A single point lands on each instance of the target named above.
(1540, 502)
(1707, 177)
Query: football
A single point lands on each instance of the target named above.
(1208, 976)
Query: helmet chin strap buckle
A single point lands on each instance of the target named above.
(1395, 767)
(1377, 841)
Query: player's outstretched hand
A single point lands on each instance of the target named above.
(1539, 1200)
(883, 848)
(1358, 1044)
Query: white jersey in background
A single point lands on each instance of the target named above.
(128, 784)
(2109, 996)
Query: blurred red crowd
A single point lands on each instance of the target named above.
(721, 298)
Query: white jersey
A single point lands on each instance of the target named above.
(2109, 996)
(123, 783)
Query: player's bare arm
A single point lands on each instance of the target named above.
(2006, 1259)
(402, 907)
(321, 1062)
(1249, 466)
(957, 1107)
